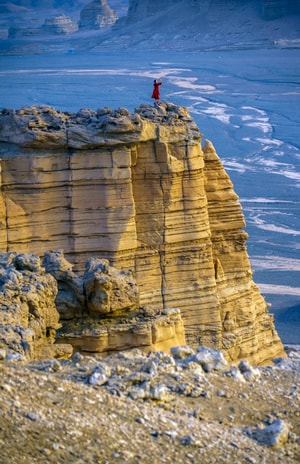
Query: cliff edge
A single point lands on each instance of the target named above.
(140, 191)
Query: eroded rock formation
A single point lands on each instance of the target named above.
(140, 191)
(28, 315)
(100, 312)
(43, 302)
(97, 15)
(58, 24)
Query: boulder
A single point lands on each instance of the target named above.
(107, 290)
(70, 299)
(274, 435)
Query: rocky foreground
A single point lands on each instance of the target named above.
(187, 407)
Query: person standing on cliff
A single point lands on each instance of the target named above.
(156, 92)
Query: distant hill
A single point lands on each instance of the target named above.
(198, 24)
(11, 8)
(268, 9)
(169, 25)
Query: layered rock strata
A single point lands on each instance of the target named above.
(43, 302)
(100, 312)
(140, 191)
(59, 24)
(97, 15)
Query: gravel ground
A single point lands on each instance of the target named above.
(155, 408)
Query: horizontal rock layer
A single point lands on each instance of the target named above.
(139, 190)
(97, 15)
(98, 313)
(159, 332)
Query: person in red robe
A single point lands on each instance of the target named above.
(156, 93)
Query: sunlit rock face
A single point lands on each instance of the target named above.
(59, 24)
(97, 15)
(140, 191)
(100, 312)
(47, 310)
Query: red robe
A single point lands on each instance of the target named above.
(155, 93)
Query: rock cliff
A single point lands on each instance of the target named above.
(203, 24)
(28, 315)
(97, 15)
(58, 24)
(270, 9)
(44, 301)
(140, 191)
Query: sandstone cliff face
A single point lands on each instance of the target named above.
(139, 190)
(100, 312)
(43, 302)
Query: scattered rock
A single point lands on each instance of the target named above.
(209, 359)
(182, 352)
(274, 435)
(132, 407)
(249, 372)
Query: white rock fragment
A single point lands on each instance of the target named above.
(161, 393)
(249, 372)
(209, 359)
(98, 378)
(182, 352)
(137, 393)
(274, 435)
(235, 374)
